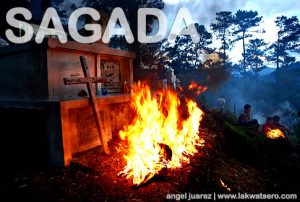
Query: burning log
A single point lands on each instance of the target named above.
(159, 137)
(166, 152)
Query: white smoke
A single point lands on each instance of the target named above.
(203, 11)
(261, 118)
(287, 113)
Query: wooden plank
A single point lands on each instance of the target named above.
(98, 73)
(91, 48)
(95, 107)
(109, 99)
(74, 81)
(131, 71)
(107, 122)
(66, 133)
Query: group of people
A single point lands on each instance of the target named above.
(273, 123)
(252, 124)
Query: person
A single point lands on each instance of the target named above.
(221, 102)
(245, 119)
(277, 125)
(269, 125)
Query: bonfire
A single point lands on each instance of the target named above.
(163, 134)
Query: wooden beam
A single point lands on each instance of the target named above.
(95, 107)
(94, 48)
(74, 81)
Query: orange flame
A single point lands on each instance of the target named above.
(275, 134)
(157, 127)
(198, 88)
(193, 85)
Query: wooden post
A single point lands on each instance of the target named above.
(89, 82)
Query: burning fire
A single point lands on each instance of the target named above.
(275, 134)
(199, 89)
(158, 137)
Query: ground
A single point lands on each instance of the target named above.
(93, 176)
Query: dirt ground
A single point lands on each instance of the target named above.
(93, 176)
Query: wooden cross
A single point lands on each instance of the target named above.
(89, 82)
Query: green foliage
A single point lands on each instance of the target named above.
(222, 116)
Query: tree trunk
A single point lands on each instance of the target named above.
(257, 89)
(276, 86)
(224, 48)
(244, 60)
(277, 62)
(277, 59)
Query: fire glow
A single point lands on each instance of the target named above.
(275, 134)
(199, 89)
(159, 137)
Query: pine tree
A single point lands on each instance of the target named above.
(287, 41)
(185, 55)
(224, 21)
(245, 21)
(255, 56)
(279, 52)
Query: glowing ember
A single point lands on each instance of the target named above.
(193, 85)
(224, 185)
(275, 134)
(199, 89)
(158, 137)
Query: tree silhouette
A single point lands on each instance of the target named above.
(287, 41)
(185, 55)
(152, 55)
(255, 55)
(245, 21)
(224, 20)
(130, 7)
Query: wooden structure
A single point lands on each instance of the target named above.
(33, 78)
(88, 80)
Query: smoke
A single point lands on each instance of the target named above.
(261, 118)
(287, 114)
(203, 11)
(263, 106)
